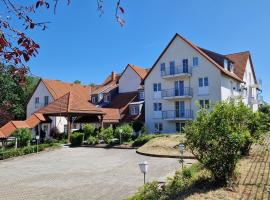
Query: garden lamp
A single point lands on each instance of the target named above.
(120, 135)
(181, 149)
(144, 168)
(37, 139)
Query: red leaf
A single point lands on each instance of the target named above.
(26, 57)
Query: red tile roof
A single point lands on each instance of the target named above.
(70, 103)
(240, 62)
(112, 115)
(139, 70)
(59, 88)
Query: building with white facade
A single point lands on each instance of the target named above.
(186, 77)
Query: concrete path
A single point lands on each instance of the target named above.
(79, 173)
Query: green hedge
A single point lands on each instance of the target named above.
(23, 151)
(76, 139)
(141, 140)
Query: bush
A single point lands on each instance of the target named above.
(88, 130)
(142, 139)
(137, 126)
(54, 132)
(216, 138)
(23, 136)
(174, 187)
(76, 139)
(126, 134)
(50, 141)
(92, 140)
(106, 135)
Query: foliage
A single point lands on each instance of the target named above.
(143, 130)
(217, 137)
(92, 140)
(142, 139)
(50, 141)
(126, 134)
(106, 135)
(264, 113)
(24, 150)
(23, 136)
(14, 96)
(88, 130)
(54, 132)
(77, 82)
(174, 187)
(76, 139)
(137, 126)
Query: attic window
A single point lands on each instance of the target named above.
(226, 64)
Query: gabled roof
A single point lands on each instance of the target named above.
(240, 62)
(112, 115)
(59, 88)
(200, 51)
(139, 70)
(68, 104)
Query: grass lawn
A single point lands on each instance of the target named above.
(164, 146)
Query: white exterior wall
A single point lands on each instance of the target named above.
(178, 51)
(130, 81)
(249, 79)
(229, 88)
(40, 92)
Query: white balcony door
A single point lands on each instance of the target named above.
(179, 109)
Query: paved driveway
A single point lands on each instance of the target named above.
(79, 173)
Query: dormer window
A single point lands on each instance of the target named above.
(94, 100)
(141, 94)
(106, 98)
(134, 109)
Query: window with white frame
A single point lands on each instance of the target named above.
(195, 61)
(46, 100)
(134, 110)
(162, 68)
(204, 103)
(203, 85)
(158, 127)
(157, 106)
(94, 100)
(36, 102)
(157, 87)
(157, 90)
(141, 94)
(106, 98)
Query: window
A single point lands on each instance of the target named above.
(180, 127)
(195, 61)
(185, 65)
(36, 100)
(204, 103)
(106, 98)
(93, 99)
(172, 68)
(157, 106)
(203, 82)
(134, 110)
(158, 127)
(46, 100)
(162, 67)
(157, 87)
(200, 82)
(141, 95)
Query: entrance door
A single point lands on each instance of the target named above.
(179, 88)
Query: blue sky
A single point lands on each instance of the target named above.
(80, 45)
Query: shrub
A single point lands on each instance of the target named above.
(88, 130)
(106, 135)
(142, 139)
(126, 134)
(92, 140)
(23, 136)
(54, 132)
(50, 141)
(76, 139)
(143, 130)
(216, 138)
(137, 126)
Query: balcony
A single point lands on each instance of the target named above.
(176, 115)
(177, 71)
(176, 93)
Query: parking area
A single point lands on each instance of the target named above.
(79, 173)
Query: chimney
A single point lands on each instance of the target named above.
(113, 76)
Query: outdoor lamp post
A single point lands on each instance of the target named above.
(144, 168)
(120, 135)
(37, 139)
(181, 149)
